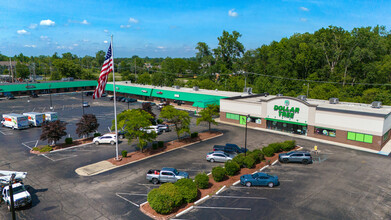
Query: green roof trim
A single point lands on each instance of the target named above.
(205, 103)
(289, 122)
(130, 89)
(46, 85)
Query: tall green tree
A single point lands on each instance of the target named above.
(209, 114)
(229, 49)
(22, 70)
(179, 118)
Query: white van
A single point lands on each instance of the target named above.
(50, 116)
(15, 121)
(35, 118)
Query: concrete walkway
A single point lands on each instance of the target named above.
(386, 150)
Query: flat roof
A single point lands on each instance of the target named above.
(182, 89)
(323, 104)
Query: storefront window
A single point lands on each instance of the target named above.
(232, 116)
(325, 131)
(385, 136)
(360, 137)
(254, 120)
(286, 127)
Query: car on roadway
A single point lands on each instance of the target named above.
(259, 179)
(166, 175)
(303, 157)
(105, 139)
(219, 156)
(85, 105)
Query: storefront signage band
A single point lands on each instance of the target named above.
(285, 111)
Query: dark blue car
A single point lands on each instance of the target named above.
(259, 179)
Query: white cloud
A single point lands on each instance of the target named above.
(60, 47)
(106, 31)
(125, 26)
(32, 46)
(22, 32)
(303, 19)
(105, 41)
(232, 13)
(84, 22)
(33, 26)
(47, 22)
(133, 20)
(75, 45)
(86, 40)
(160, 47)
(304, 9)
(44, 37)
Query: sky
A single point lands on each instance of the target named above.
(170, 28)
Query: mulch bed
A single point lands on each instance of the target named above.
(64, 145)
(137, 155)
(213, 188)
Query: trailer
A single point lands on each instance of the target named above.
(50, 116)
(35, 119)
(15, 121)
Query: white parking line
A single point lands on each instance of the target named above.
(117, 194)
(206, 207)
(285, 180)
(238, 197)
(133, 194)
(245, 187)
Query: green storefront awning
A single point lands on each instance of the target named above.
(288, 122)
(205, 103)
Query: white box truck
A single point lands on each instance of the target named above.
(15, 121)
(51, 116)
(35, 118)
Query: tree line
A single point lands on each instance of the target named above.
(331, 62)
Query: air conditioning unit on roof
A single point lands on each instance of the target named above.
(334, 100)
(279, 94)
(196, 88)
(302, 97)
(248, 90)
(176, 87)
(376, 104)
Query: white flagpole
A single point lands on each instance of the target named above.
(115, 104)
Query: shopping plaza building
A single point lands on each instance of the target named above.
(364, 125)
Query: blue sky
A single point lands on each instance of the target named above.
(169, 28)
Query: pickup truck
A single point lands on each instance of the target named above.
(166, 175)
(21, 196)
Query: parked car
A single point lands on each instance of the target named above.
(132, 100)
(89, 93)
(34, 95)
(151, 129)
(10, 96)
(111, 98)
(219, 156)
(105, 139)
(259, 179)
(85, 105)
(229, 148)
(118, 98)
(295, 156)
(163, 127)
(21, 196)
(123, 99)
(165, 175)
(122, 133)
(103, 94)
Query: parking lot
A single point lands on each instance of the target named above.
(340, 184)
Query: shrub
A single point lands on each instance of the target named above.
(254, 156)
(124, 153)
(249, 162)
(172, 191)
(202, 181)
(259, 155)
(154, 145)
(239, 159)
(231, 168)
(277, 147)
(268, 151)
(68, 140)
(160, 121)
(188, 189)
(218, 173)
(43, 148)
(194, 135)
(160, 144)
(159, 202)
(288, 145)
(97, 134)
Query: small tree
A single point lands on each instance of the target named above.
(132, 121)
(181, 119)
(146, 106)
(53, 131)
(208, 114)
(87, 124)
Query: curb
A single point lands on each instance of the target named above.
(222, 188)
(201, 200)
(236, 183)
(274, 162)
(264, 167)
(76, 146)
(184, 211)
(112, 168)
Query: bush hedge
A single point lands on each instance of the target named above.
(43, 148)
(160, 144)
(249, 162)
(188, 189)
(218, 173)
(68, 140)
(288, 145)
(159, 202)
(258, 155)
(154, 145)
(202, 181)
(124, 153)
(239, 159)
(268, 151)
(231, 168)
(194, 135)
(277, 147)
(172, 191)
(97, 134)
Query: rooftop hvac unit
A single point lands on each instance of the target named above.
(376, 104)
(196, 88)
(248, 90)
(302, 97)
(176, 87)
(334, 100)
(279, 94)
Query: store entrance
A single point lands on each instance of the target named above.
(287, 127)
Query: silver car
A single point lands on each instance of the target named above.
(219, 156)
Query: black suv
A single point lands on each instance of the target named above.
(229, 148)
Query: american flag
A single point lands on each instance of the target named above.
(107, 68)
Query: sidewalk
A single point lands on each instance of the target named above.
(386, 150)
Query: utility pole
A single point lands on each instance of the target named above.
(135, 70)
(82, 101)
(12, 196)
(12, 73)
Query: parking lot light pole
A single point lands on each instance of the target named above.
(50, 96)
(245, 137)
(82, 101)
(11, 191)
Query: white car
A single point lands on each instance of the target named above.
(151, 129)
(105, 139)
